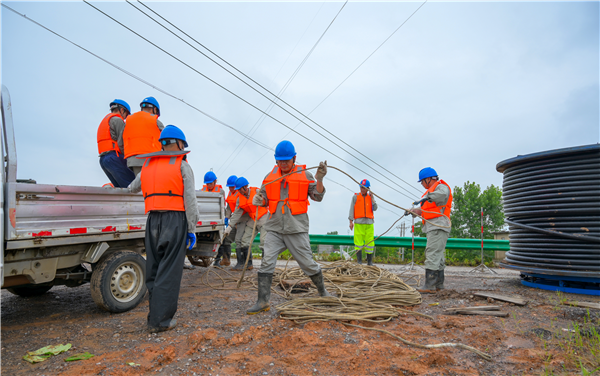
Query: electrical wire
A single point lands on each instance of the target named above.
(142, 80)
(260, 93)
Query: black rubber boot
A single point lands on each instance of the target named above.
(264, 294)
(440, 280)
(359, 257)
(217, 262)
(318, 281)
(370, 259)
(430, 282)
(246, 250)
(239, 255)
(226, 255)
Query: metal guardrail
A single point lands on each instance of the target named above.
(392, 241)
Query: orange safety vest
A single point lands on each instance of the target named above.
(232, 199)
(297, 184)
(162, 183)
(217, 188)
(141, 134)
(248, 207)
(363, 207)
(432, 206)
(105, 141)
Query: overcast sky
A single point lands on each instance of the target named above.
(459, 87)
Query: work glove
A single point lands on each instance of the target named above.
(227, 231)
(191, 238)
(226, 222)
(257, 199)
(321, 171)
(420, 202)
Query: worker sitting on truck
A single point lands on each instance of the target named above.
(141, 133)
(224, 252)
(362, 222)
(110, 145)
(167, 182)
(436, 205)
(243, 207)
(210, 183)
(287, 225)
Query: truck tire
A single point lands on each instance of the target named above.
(30, 290)
(119, 281)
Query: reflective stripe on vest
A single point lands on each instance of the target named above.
(105, 141)
(232, 199)
(246, 205)
(363, 207)
(217, 188)
(431, 210)
(162, 183)
(297, 184)
(141, 134)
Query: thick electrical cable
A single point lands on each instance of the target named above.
(142, 80)
(262, 87)
(259, 122)
(248, 103)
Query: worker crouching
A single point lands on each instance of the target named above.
(362, 221)
(167, 182)
(287, 224)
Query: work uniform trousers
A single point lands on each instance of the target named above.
(166, 233)
(435, 250)
(247, 237)
(363, 237)
(115, 168)
(298, 245)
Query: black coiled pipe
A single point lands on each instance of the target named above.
(552, 207)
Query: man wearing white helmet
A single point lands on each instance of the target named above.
(287, 224)
(167, 182)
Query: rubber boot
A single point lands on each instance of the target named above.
(318, 281)
(239, 254)
(359, 257)
(246, 250)
(217, 263)
(440, 280)
(264, 294)
(226, 255)
(430, 282)
(370, 259)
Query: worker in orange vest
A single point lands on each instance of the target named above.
(224, 253)
(167, 182)
(245, 207)
(287, 224)
(435, 207)
(210, 183)
(141, 133)
(362, 222)
(110, 145)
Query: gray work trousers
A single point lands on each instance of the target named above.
(299, 246)
(435, 251)
(247, 237)
(231, 237)
(165, 253)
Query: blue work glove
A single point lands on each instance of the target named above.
(226, 222)
(420, 202)
(191, 238)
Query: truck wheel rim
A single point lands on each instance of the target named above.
(126, 282)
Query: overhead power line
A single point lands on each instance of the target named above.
(142, 80)
(253, 106)
(260, 93)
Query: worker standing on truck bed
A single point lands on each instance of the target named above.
(210, 183)
(436, 205)
(141, 133)
(287, 224)
(243, 207)
(167, 182)
(225, 248)
(362, 222)
(110, 145)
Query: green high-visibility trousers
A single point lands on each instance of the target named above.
(363, 237)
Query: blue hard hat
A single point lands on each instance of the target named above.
(209, 177)
(120, 102)
(427, 172)
(241, 182)
(284, 151)
(150, 102)
(365, 183)
(172, 131)
(231, 181)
